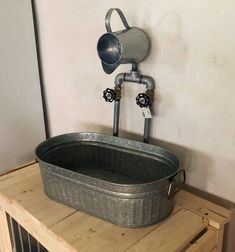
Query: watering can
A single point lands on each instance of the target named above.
(130, 45)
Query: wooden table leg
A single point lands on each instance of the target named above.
(219, 242)
(5, 240)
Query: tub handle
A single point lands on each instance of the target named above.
(176, 183)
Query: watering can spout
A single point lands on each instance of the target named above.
(108, 68)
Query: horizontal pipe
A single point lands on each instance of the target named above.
(135, 77)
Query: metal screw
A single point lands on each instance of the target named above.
(108, 95)
(142, 100)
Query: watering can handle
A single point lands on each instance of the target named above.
(108, 17)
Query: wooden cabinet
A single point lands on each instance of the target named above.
(194, 225)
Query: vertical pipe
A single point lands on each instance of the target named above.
(38, 247)
(12, 234)
(21, 239)
(29, 242)
(147, 124)
(116, 117)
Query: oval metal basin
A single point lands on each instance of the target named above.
(122, 181)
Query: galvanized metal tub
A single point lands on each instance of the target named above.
(122, 181)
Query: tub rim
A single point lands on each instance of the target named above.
(147, 149)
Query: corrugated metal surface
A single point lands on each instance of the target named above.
(122, 181)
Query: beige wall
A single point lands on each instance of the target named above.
(21, 115)
(192, 61)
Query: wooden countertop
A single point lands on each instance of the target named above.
(61, 228)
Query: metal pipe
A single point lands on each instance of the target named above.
(29, 242)
(120, 78)
(135, 77)
(20, 236)
(38, 247)
(148, 81)
(116, 117)
(147, 124)
(12, 234)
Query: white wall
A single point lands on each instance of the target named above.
(21, 116)
(192, 60)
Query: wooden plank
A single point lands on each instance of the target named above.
(186, 198)
(16, 176)
(27, 194)
(174, 234)
(5, 240)
(17, 168)
(216, 215)
(61, 228)
(205, 243)
(219, 239)
(39, 231)
(87, 233)
(28, 205)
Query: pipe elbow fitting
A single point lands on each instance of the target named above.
(119, 79)
(149, 82)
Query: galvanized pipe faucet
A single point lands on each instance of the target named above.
(129, 46)
(144, 100)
